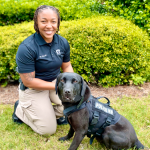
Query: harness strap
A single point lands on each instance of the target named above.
(95, 118)
(107, 123)
(93, 122)
(101, 129)
(74, 108)
(108, 101)
(69, 110)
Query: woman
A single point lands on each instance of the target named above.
(39, 59)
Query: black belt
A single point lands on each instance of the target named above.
(22, 87)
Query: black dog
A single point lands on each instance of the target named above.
(76, 98)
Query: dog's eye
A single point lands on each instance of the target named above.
(62, 80)
(74, 81)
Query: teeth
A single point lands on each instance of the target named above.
(48, 32)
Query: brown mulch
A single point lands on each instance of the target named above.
(9, 94)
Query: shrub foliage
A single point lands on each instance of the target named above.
(10, 39)
(107, 51)
(16, 11)
(138, 11)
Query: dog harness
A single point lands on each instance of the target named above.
(101, 115)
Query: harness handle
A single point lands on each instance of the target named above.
(108, 101)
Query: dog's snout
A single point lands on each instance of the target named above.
(67, 91)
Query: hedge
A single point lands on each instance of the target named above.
(138, 11)
(16, 11)
(10, 39)
(107, 51)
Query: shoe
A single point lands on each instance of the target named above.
(14, 117)
(62, 121)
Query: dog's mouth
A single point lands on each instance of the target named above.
(68, 98)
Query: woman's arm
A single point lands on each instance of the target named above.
(30, 81)
(67, 67)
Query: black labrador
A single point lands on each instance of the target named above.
(71, 88)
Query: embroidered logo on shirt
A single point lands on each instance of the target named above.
(58, 51)
(43, 56)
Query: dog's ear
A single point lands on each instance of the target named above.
(83, 87)
(57, 81)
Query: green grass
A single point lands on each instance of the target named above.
(21, 137)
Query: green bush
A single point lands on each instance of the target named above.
(10, 39)
(104, 50)
(13, 11)
(138, 11)
(109, 51)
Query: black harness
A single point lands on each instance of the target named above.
(101, 115)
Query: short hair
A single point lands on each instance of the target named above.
(39, 9)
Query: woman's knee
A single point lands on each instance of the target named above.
(46, 129)
(50, 131)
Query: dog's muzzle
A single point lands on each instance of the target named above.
(68, 95)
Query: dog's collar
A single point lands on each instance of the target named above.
(74, 108)
(81, 101)
(79, 98)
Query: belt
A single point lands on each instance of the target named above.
(23, 87)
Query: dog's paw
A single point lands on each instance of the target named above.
(63, 138)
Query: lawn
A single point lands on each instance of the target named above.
(21, 137)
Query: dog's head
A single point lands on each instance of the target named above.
(70, 87)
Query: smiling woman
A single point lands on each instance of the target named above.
(46, 23)
(39, 59)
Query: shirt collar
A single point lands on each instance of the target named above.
(41, 41)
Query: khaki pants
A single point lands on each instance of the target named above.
(36, 110)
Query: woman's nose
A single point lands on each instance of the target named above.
(49, 25)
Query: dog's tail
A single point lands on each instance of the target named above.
(139, 145)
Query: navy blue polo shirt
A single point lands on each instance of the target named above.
(34, 54)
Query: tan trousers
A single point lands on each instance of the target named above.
(36, 110)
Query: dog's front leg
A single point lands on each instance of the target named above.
(68, 136)
(79, 135)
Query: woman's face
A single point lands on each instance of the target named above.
(47, 23)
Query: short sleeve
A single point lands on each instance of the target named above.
(67, 52)
(25, 59)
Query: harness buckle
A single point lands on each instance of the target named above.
(108, 120)
(98, 134)
(95, 118)
(89, 133)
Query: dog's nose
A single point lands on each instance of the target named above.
(67, 91)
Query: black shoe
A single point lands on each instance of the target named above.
(62, 121)
(14, 117)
